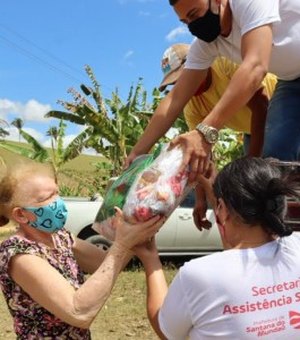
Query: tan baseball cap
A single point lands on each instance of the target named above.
(172, 64)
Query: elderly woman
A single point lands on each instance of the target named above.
(42, 266)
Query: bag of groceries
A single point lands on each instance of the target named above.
(151, 185)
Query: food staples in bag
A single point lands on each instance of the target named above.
(151, 186)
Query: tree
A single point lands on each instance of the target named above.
(3, 126)
(18, 123)
(57, 156)
(112, 127)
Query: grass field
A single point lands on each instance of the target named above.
(78, 177)
(80, 163)
(123, 316)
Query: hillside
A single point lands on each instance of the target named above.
(78, 177)
(80, 163)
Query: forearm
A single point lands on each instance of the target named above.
(200, 193)
(92, 295)
(162, 120)
(170, 108)
(156, 292)
(259, 107)
(244, 83)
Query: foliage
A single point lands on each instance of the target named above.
(3, 129)
(57, 156)
(66, 190)
(228, 148)
(112, 127)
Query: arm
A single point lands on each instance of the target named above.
(199, 212)
(258, 104)
(79, 307)
(255, 49)
(89, 257)
(168, 110)
(156, 283)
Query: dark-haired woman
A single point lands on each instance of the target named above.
(251, 289)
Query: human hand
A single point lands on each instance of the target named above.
(129, 159)
(199, 215)
(200, 208)
(146, 251)
(130, 235)
(196, 153)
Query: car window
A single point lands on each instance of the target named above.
(189, 200)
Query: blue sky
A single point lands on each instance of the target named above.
(44, 46)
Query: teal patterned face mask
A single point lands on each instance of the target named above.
(50, 217)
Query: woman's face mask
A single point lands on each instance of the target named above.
(50, 217)
(207, 27)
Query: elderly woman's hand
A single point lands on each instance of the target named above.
(130, 235)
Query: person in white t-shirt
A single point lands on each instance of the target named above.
(261, 36)
(252, 288)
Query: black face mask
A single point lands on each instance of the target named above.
(206, 28)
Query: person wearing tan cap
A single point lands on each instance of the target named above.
(259, 36)
(250, 119)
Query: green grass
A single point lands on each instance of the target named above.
(78, 177)
(81, 163)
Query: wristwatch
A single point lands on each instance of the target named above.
(209, 133)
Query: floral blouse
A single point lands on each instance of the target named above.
(32, 321)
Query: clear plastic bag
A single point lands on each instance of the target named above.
(151, 186)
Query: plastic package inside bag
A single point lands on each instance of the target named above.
(152, 185)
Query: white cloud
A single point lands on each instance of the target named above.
(66, 141)
(90, 151)
(14, 134)
(144, 14)
(128, 54)
(177, 32)
(32, 110)
(34, 133)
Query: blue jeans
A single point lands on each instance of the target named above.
(282, 131)
(246, 143)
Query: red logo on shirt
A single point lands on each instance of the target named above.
(294, 319)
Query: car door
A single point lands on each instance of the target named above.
(188, 237)
(166, 237)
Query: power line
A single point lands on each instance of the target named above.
(40, 60)
(49, 54)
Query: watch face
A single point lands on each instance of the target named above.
(212, 135)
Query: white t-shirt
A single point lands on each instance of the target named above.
(247, 15)
(237, 294)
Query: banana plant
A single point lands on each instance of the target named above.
(111, 126)
(3, 129)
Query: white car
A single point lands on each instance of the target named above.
(178, 236)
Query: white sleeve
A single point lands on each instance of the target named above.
(174, 317)
(201, 55)
(254, 13)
